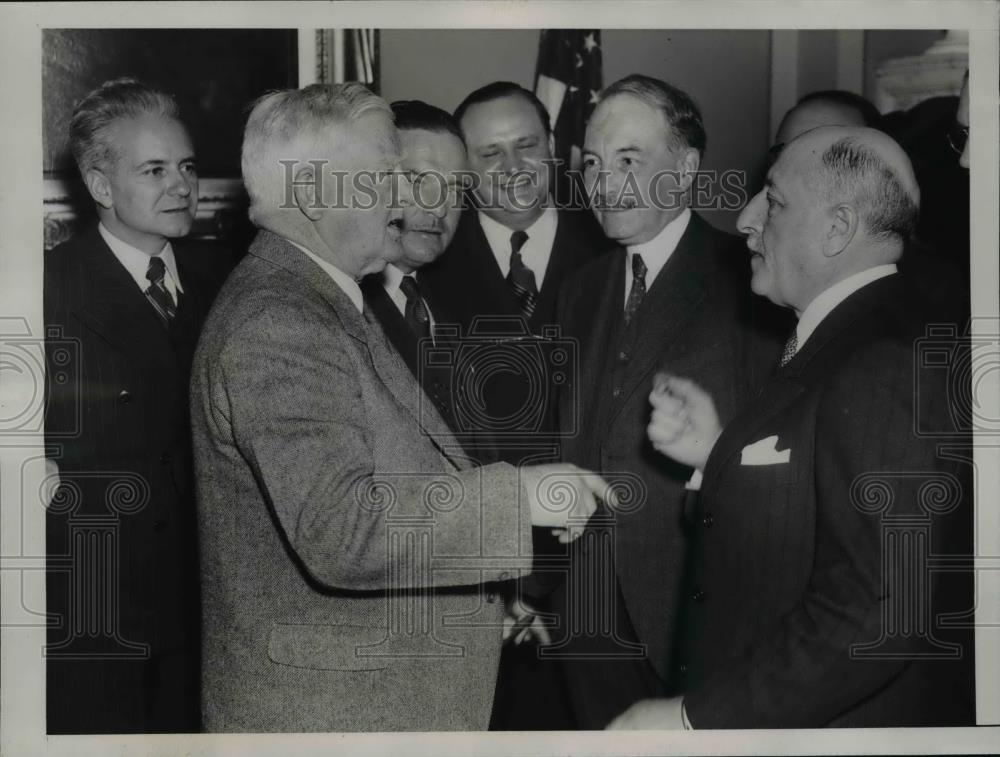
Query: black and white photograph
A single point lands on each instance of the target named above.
(500, 378)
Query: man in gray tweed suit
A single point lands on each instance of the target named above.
(350, 556)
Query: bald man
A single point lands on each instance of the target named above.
(830, 107)
(804, 608)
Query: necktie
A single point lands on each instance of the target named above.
(520, 278)
(157, 292)
(415, 313)
(791, 346)
(638, 290)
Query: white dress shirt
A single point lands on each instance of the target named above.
(824, 304)
(392, 277)
(136, 262)
(345, 281)
(536, 250)
(656, 252)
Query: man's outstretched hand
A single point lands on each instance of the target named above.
(562, 495)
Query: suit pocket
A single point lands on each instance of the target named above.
(325, 647)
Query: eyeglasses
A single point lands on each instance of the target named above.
(958, 136)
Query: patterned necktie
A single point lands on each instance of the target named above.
(157, 292)
(415, 313)
(520, 278)
(791, 346)
(638, 290)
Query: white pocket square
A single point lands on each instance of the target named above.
(764, 452)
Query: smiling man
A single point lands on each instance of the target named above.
(513, 247)
(132, 298)
(672, 292)
(435, 162)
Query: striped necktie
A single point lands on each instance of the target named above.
(157, 292)
(520, 278)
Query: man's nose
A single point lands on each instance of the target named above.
(512, 162)
(180, 185)
(749, 220)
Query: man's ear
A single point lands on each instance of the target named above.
(99, 188)
(308, 192)
(688, 165)
(843, 227)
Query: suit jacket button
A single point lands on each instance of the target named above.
(698, 596)
(684, 670)
(124, 397)
(616, 392)
(159, 525)
(491, 597)
(623, 357)
(165, 458)
(708, 520)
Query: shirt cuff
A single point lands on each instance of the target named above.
(694, 483)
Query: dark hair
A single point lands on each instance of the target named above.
(855, 171)
(112, 101)
(416, 114)
(499, 89)
(677, 107)
(868, 112)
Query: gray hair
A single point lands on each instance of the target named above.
(295, 124)
(853, 171)
(114, 100)
(676, 105)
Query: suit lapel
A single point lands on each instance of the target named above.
(672, 301)
(116, 308)
(599, 301)
(365, 328)
(787, 383)
(392, 321)
(483, 264)
(779, 392)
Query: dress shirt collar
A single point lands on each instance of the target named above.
(536, 250)
(392, 277)
(657, 251)
(346, 282)
(824, 304)
(136, 261)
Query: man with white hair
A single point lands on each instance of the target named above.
(350, 554)
(810, 601)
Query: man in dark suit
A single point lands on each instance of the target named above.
(435, 161)
(672, 293)
(123, 305)
(515, 245)
(511, 252)
(811, 601)
(513, 248)
(351, 553)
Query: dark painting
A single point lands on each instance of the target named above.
(214, 73)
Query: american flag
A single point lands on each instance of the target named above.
(567, 81)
